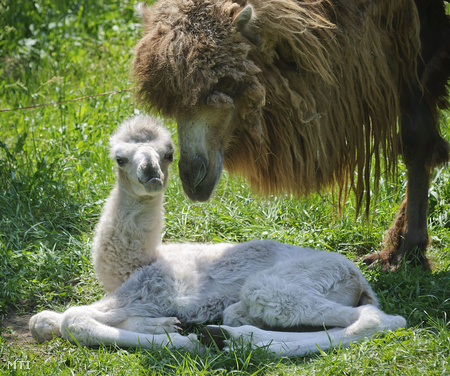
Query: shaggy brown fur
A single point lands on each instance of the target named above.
(317, 87)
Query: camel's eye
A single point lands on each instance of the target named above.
(121, 161)
(226, 85)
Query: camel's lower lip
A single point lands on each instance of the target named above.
(149, 180)
(199, 193)
(153, 185)
(203, 190)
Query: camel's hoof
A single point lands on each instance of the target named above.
(372, 259)
(382, 258)
(390, 259)
(213, 335)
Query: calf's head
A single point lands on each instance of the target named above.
(143, 151)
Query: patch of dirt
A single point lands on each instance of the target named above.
(15, 329)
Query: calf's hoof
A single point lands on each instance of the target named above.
(213, 335)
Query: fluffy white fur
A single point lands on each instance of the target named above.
(129, 230)
(255, 287)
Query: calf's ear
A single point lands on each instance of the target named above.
(242, 19)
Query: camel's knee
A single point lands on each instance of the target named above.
(75, 325)
(237, 315)
(45, 325)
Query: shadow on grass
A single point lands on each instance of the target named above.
(43, 250)
(415, 294)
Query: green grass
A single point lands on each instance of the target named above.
(55, 175)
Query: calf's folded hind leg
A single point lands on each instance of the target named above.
(314, 292)
(370, 320)
(288, 296)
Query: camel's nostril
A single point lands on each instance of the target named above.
(192, 174)
(201, 172)
(147, 172)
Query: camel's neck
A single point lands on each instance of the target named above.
(141, 219)
(133, 226)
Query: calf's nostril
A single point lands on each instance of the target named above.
(147, 172)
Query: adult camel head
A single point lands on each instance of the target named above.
(192, 64)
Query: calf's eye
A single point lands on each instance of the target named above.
(121, 161)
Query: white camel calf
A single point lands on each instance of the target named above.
(258, 288)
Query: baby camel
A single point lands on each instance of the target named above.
(258, 288)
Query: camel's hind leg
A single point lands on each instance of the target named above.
(315, 291)
(423, 148)
(370, 320)
(329, 292)
(313, 315)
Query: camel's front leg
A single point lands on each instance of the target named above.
(150, 325)
(80, 325)
(91, 327)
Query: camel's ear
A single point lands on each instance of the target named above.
(243, 18)
(142, 10)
